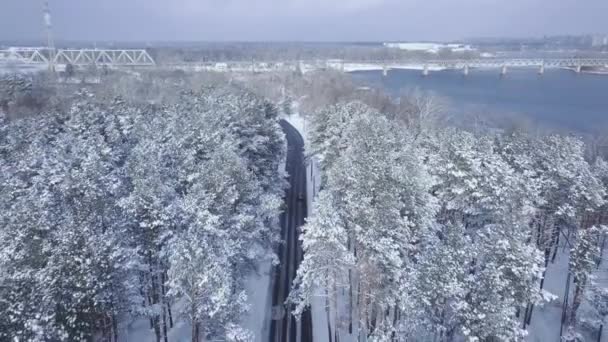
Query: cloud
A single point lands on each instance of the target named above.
(314, 6)
(300, 19)
(271, 8)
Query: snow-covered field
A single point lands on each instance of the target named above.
(9, 67)
(352, 67)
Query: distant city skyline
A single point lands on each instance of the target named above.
(300, 20)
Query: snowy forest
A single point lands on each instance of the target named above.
(424, 233)
(115, 210)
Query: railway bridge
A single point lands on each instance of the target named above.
(503, 64)
(125, 58)
(79, 57)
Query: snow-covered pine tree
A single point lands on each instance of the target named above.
(378, 189)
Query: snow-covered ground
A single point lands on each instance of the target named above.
(545, 322)
(352, 67)
(139, 329)
(416, 67)
(259, 293)
(10, 67)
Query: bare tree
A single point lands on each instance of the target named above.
(419, 111)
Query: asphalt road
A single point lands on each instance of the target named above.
(283, 327)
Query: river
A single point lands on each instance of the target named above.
(560, 99)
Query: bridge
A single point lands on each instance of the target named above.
(577, 64)
(79, 57)
(141, 58)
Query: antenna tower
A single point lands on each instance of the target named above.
(49, 35)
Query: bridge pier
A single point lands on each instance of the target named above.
(579, 68)
(384, 70)
(425, 70)
(465, 70)
(503, 71)
(541, 70)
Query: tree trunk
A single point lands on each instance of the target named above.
(150, 303)
(355, 316)
(165, 324)
(565, 304)
(170, 315)
(602, 246)
(555, 248)
(168, 302)
(163, 305)
(395, 321)
(154, 297)
(327, 313)
(576, 302)
(195, 332)
(115, 328)
(351, 281)
(335, 302)
(525, 315)
(529, 318)
(350, 302)
(373, 321)
(329, 334)
(364, 312)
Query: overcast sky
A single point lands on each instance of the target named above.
(300, 20)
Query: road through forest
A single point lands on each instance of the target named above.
(283, 326)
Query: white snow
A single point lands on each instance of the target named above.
(545, 323)
(12, 67)
(429, 47)
(352, 67)
(259, 293)
(139, 329)
(546, 319)
(417, 66)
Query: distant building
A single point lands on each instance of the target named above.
(429, 47)
(599, 40)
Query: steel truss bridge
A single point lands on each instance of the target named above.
(541, 63)
(79, 57)
(576, 64)
(520, 62)
(140, 58)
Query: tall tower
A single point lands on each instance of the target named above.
(49, 35)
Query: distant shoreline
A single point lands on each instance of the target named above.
(599, 71)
